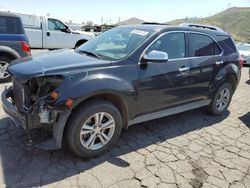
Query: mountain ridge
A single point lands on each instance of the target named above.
(235, 20)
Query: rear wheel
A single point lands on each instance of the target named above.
(4, 75)
(221, 100)
(94, 128)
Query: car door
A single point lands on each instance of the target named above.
(58, 35)
(205, 62)
(164, 85)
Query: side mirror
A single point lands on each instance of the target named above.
(156, 56)
(66, 30)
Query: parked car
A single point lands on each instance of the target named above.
(244, 50)
(13, 43)
(90, 94)
(50, 33)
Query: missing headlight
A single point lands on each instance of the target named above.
(43, 86)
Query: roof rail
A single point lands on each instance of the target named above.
(200, 26)
(153, 23)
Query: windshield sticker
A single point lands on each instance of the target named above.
(139, 32)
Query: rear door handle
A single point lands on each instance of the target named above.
(219, 62)
(184, 69)
(48, 34)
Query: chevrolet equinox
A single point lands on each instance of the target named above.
(88, 95)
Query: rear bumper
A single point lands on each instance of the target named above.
(11, 109)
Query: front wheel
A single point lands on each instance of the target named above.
(94, 128)
(221, 100)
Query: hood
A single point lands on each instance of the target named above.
(60, 62)
(91, 35)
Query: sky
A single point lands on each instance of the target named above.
(108, 11)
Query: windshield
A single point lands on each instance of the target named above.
(244, 47)
(116, 43)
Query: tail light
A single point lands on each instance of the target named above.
(26, 47)
(241, 61)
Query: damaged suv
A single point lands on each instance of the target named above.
(88, 95)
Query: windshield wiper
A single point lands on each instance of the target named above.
(90, 53)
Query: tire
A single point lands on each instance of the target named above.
(86, 117)
(221, 100)
(4, 63)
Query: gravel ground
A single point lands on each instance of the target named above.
(191, 149)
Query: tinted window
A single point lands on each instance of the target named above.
(173, 44)
(10, 25)
(202, 45)
(227, 44)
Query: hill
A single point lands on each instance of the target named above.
(234, 20)
(131, 21)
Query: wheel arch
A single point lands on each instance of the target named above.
(230, 73)
(232, 79)
(115, 99)
(9, 52)
(80, 42)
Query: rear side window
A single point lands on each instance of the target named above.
(10, 25)
(228, 45)
(202, 45)
(173, 44)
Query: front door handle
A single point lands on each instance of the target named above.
(48, 34)
(184, 69)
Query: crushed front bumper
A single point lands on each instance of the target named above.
(11, 110)
(20, 120)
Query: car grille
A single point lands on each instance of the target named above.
(19, 95)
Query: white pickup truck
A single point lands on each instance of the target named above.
(50, 33)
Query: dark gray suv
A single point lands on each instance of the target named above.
(88, 95)
(13, 42)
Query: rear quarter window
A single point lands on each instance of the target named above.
(228, 45)
(10, 25)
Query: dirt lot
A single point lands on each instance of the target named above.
(190, 149)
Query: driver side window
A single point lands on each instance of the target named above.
(173, 44)
(54, 24)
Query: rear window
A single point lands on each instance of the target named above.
(10, 25)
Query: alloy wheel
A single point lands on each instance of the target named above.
(223, 99)
(97, 131)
